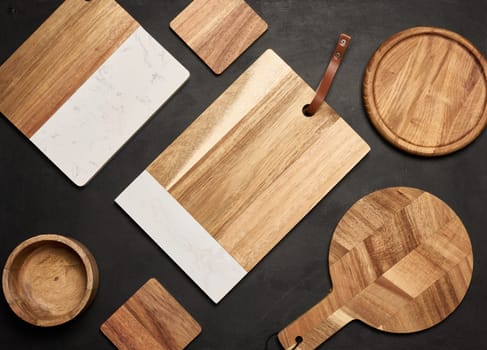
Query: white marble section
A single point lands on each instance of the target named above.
(195, 251)
(110, 107)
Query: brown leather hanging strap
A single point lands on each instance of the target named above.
(322, 91)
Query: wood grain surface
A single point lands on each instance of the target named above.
(252, 165)
(151, 319)
(400, 260)
(218, 31)
(46, 70)
(425, 90)
(50, 279)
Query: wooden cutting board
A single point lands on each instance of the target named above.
(151, 319)
(400, 261)
(218, 31)
(425, 90)
(84, 83)
(242, 175)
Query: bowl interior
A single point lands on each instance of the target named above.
(49, 282)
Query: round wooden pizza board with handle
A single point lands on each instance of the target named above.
(400, 261)
(425, 91)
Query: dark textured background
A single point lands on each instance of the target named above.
(37, 198)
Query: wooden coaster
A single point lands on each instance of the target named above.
(218, 31)
(242, 175)
(425, 91)
(400, 261)
(84, 83)
(151, 319)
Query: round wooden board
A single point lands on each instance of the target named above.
(400, 260)
(425, 91)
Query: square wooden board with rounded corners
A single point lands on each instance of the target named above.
(151, 319)
(218, 31)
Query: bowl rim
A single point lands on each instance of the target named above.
(89, 265)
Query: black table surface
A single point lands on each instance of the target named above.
(36, 198)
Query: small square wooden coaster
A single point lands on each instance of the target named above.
(218, 31)
(151, 319)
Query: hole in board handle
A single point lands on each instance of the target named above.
(305, 111)
(298, 340)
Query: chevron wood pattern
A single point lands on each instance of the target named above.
(400, 261)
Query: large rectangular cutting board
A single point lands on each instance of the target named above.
(84, 83)
(242, 175)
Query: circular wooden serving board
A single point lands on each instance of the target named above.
(425, 90)
(49, 279)
(400, 261)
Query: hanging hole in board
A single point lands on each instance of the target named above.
(305, 111)
(298, 340)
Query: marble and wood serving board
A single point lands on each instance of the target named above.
(84, 83)
(242, 175)
(151, 319)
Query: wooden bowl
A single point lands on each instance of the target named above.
(50, 279)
